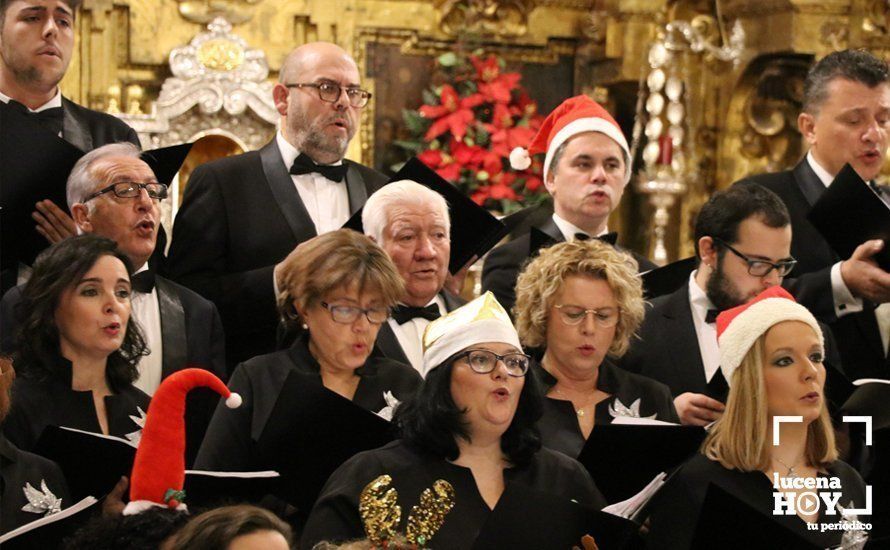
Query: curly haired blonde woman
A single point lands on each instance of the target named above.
(581, 302)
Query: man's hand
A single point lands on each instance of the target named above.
(588, 543)
(862, 275)
(113, 505)
(696, 409)
(455, 283)
(52, 222)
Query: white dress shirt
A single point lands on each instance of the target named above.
(410, 334)
(705, 333)
(147, 312)
(568, 229)
(326, 201)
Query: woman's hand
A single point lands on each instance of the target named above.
(587, 543)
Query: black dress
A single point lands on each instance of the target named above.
(18, 468)
(230, 442)
(37, 404)
(336, 517)
(677, 506)
(559, 424)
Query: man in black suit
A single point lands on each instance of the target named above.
(36, 43)
(243, 215)
(586, 169)
(112, 192)
(845, 119)
(743, 243)
(411, 223)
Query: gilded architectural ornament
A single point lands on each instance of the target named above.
(877, 17)
(498, 18)
(205, 11)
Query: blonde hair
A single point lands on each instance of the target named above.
(334, 260)
(544, 276)
(741, 438)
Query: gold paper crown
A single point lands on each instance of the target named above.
(483, 307)
(381, 514)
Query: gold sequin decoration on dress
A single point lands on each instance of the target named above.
(381, 514)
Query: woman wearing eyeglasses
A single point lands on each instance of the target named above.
(339, 287)
(472, 425)
(580, 302)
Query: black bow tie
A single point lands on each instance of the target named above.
(305, 165)
(711, 316)
(143, 282)
(51, 118)
(403, 314)
(608, 238)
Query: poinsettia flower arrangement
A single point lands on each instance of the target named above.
(469, 123)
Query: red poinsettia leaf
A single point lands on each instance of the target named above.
(450, 172)
(431, 157)
(439, 127)
(432, 111)
(458, 121)
(450, 99)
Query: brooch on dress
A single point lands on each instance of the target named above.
(390, 408)
(42, 501)
(617, 408)
(135, 437)
(381, 513)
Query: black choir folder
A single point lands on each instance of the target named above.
(48, 531)
(36, 164)
(528, 519)
(623, 458)
(849, 213)
(728, 523)
(311, 431)
(94, 463)
(474, 231)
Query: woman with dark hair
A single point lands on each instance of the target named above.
(338, 288)
(78, 349)
(580, 303)
(469, 432)
(771, 353)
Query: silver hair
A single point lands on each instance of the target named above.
(82, 182)
(404, 193)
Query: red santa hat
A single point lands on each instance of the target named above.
(159, 468)
(738, 328)
(576, 115)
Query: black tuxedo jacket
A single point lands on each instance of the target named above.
(667, 350)
(388, 345)
(858, 336)
(87, 129)
(240, 216)
(504, 263)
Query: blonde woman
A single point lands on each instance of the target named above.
(771, 353)
(581, 302)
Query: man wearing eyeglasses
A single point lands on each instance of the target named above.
(242, 215)
(743, 243)
(112, 192)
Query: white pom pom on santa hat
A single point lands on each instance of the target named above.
(233, 401)
(520, 159)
